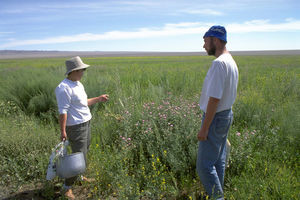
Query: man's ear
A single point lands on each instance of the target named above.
(215, 40)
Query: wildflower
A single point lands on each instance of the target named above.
(153, 165)
(238, 133)
(97, 145)
(253, 132)
(165, 152)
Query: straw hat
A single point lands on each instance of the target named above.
(75, 63)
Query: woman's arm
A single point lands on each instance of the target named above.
(102, 98)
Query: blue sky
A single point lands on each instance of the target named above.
(147, 25)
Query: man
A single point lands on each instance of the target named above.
(217, 97)
(74, 113)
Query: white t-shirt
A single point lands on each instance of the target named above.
(221, 83)
(72, 100)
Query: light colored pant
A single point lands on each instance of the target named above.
(211, 158)
(79, 137)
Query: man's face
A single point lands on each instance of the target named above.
(209, 46)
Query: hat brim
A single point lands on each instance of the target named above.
(84, 66)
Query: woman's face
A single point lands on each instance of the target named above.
(76, 75)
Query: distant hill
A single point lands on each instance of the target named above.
(14, 54)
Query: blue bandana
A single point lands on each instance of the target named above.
(218, 32)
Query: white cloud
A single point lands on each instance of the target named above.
(264, 26)
(203, 12)
(185, 28)
(7, 32)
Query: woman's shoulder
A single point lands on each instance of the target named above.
(63, 86)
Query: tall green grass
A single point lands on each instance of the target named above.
(144, 139)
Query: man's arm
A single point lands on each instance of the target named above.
(209, 116)
(62, 123)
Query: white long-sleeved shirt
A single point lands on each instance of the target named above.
(72, 100)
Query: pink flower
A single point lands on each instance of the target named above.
(238, 133)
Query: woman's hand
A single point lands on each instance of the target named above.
(63, 136)
(103, 98)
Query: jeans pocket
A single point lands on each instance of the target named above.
(223, 124)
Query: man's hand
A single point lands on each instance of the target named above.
(202, 135)
(103, 98)
(209, 116)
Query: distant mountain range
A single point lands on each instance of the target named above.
(14, 54)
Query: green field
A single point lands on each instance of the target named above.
(144, 142)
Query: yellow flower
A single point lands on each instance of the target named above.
(153, 165)
(97, 145)
(157, 159)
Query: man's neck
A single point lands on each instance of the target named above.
(220, 52)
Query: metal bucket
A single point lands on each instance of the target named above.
(70, 165)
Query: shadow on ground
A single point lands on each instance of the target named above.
(44, 192)
(39, 193)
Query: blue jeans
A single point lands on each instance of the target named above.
(211, 159)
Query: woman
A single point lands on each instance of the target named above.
(74, 113)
